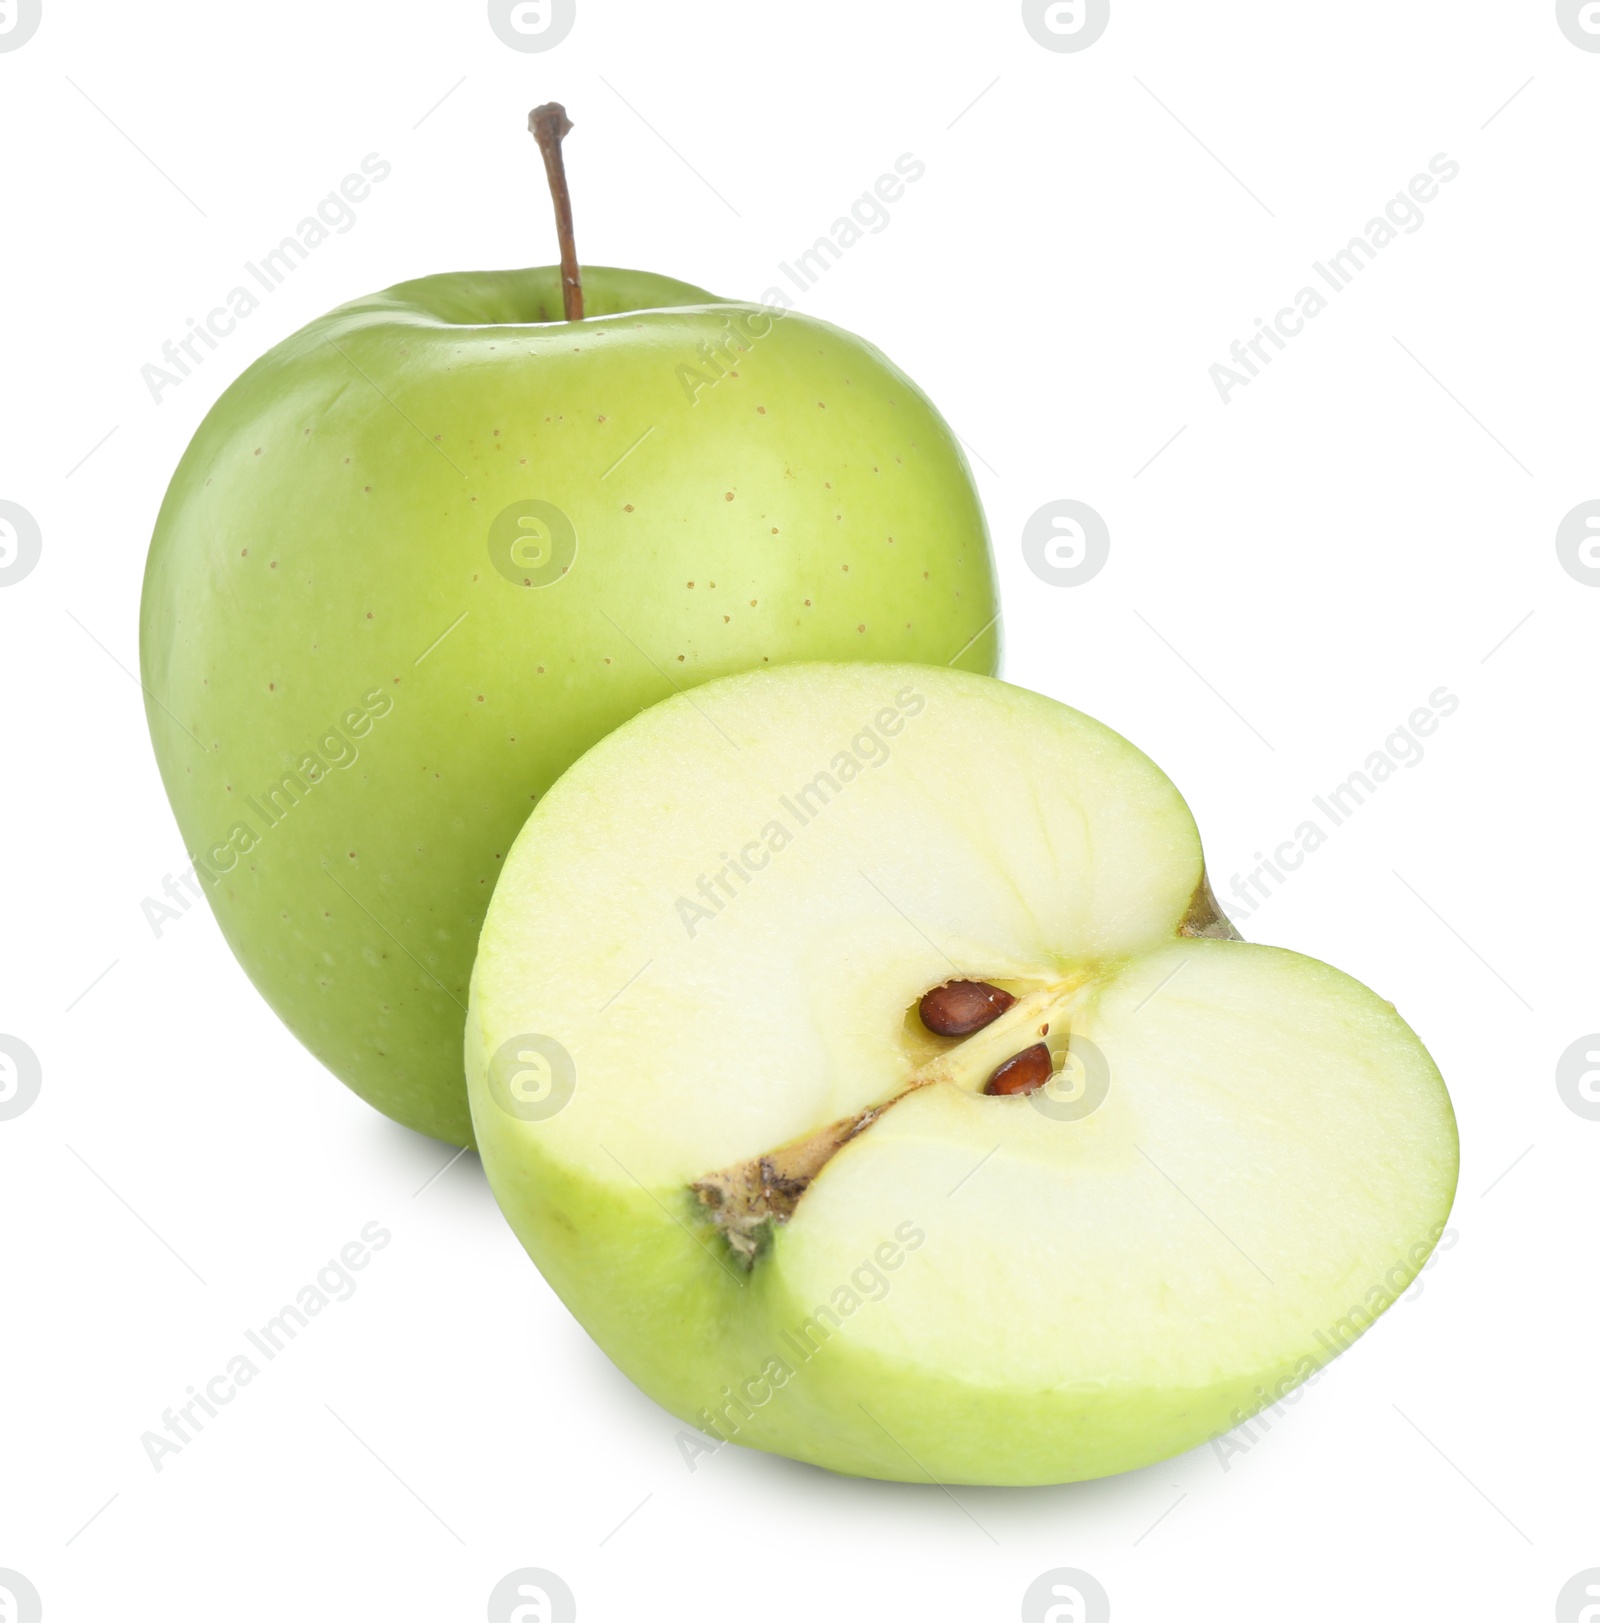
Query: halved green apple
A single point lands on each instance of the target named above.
(800, 1218)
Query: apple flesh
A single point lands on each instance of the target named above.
(429, 549)
(790, 1212)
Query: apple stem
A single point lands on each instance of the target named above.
(549, 125)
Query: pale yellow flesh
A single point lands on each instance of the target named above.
(974, 1287)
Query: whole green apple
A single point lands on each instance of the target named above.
(898, 1099)
(429, 549)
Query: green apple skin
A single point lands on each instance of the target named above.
(354, 709)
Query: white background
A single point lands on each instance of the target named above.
(1373, 518)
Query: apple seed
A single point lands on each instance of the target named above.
(1026, 1072)
(959, 1008)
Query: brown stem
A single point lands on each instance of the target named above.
(549, 124)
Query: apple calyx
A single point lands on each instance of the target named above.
(748, 1200)
(550, 126)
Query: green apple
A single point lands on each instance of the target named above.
(428, 550)
(898, 1100)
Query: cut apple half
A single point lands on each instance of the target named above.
(754, 1056)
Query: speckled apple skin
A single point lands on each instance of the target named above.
(323, 622)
